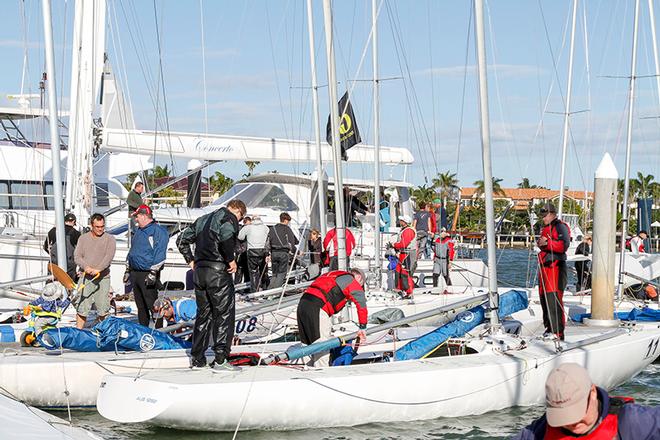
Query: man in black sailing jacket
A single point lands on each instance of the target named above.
(214, 264)
(283, 245)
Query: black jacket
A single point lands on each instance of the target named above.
(214, 236)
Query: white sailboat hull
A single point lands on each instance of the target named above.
(282, 398)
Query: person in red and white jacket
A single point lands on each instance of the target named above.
(637, 243)
(330, 247)
(406, 245)
(327, 296)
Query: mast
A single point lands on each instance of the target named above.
(626, 183)
(567, 113)
(315, 103)
(54, 135)
(374, 45)
(655, 47)
(485, 155)
(87, 60)
(334, 123)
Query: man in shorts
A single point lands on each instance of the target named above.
(93, 255)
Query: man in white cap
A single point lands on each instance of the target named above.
(406, 245)
(576, 408)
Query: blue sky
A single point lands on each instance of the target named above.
(258, 77)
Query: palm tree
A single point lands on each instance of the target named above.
(481, 189)
(251, 164)
(161, 172)
(445, 183)
(526, 185)
(644, 185)
(423, 193)
(220, 183)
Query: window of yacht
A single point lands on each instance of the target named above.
(268, 197)
(227, 196)
(4, 195)
(27, 195)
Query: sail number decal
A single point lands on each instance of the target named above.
(247, 325)
(652, 348)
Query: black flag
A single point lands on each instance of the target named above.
(349, 134)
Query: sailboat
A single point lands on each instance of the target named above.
(492, 370)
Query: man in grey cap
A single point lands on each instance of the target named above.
(576, 408)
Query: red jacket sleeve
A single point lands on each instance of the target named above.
(451, 250)
(357, 297)
(350, 242)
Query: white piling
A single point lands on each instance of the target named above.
(604, 239)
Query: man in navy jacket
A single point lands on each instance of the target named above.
(145, 261)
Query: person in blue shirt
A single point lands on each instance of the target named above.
(145, 261)
(179, 310)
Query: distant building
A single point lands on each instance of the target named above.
(181, 189)
(523, 198)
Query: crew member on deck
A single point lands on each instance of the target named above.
(553, 242)
(406, 245)
(214, 264)
(282, 246)
(327, 296)
(330, 247)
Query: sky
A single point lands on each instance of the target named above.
(243, 68)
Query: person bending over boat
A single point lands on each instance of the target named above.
(331, 251)
(214, 264)
(93, 255)
(145, 260)
(576, 408)
(554, 242)
(179, 310)
(327, 296)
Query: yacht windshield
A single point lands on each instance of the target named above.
(230, 194)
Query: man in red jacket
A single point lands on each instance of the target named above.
(327, 296)
(553, 242)
(330, 247)
(407, 247)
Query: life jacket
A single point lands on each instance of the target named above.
(411, 246)
(558, 242)
(330, 243)
(607, 429)
(335, 298)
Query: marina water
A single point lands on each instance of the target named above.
(514, 266)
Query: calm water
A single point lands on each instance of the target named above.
(512, 268)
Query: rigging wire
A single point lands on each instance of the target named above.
(463, 92)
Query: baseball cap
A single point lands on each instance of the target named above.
(405, 218)
(143, 209)
(566, 394)
(70, 217)
(548, 207)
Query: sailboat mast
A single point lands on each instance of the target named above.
(315, 103)
(567, 114)
(334, 123)
(485, 156)
(54, 134)
(626, 183)
(374, 45)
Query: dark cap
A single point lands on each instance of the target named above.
(548, 207)
(70, 217)
(143, 209)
